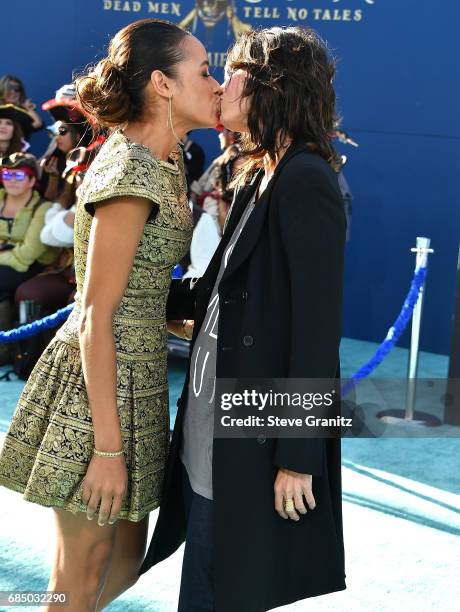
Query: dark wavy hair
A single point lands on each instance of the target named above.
(290, 91)
(112, 92)
(15, 145)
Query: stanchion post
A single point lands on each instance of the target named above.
(422, 249)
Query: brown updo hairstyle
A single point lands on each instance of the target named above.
(290, 89)
(112, 92)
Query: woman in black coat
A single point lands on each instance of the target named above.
(263, 520)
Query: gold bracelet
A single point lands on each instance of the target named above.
(107, 453)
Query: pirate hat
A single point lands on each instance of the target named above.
(20, 160)
(64, 107)
(18, 115)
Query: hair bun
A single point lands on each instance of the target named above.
(103, 94)
(113, 91)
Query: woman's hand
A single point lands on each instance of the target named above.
(69, 218)
(50, 166)
(105, 482)
(182, 329)
(36, 119)
(29, 105)
(295, 486)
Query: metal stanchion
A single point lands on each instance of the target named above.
(422, 249)
(410, 415)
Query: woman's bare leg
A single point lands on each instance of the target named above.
(127, 556)
(82, 559)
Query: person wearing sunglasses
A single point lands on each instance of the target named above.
(71, 128)
(22, 217)
(12, 91)
(65, 137)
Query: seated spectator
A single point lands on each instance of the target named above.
(56, 285)
(12, 91)
(71, 129)
(65, 139)
(14, 122)
(22, 217)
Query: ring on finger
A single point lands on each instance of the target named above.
(289, 504)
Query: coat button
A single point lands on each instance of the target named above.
(248, 341)
(244, 296)
(261, 439)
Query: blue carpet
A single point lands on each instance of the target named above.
(401, 514)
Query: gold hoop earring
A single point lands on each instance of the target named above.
(169, 123)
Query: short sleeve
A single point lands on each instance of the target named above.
(121, 171)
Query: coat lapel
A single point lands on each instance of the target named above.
(251, 231)
(239, 204)
(234, 215)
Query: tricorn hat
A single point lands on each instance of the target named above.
(20, 160)
(17, 114)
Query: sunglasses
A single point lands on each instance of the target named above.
(14, 88)
(17, 175)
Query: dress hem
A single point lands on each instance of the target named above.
(72, 507)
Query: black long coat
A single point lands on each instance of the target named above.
(280, 316)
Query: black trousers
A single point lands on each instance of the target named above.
(196, 589)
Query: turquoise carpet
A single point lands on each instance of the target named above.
(401, 515)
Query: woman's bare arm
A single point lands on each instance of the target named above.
(115, 234)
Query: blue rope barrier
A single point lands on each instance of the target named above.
(35, 327)
(394, 333)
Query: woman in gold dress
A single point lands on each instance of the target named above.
(90, 433)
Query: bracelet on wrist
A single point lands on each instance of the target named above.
(99, 453)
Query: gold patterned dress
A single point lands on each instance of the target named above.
(50, 440)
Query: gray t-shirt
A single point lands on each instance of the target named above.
(198, 425)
